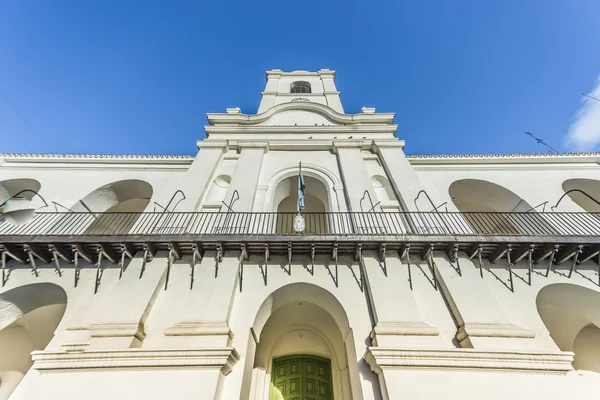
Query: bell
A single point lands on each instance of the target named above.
(18, 211)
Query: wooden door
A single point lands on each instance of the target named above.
(301, 377)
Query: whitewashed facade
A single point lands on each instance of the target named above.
(181, 277)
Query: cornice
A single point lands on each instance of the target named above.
(329, 113)
(382, 358)
(97, 158)
(331, 129)
(516, 158)
(223, 358)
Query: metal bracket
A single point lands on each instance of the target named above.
(76, 262)
(312, 259)
(452, 251)
(264, 271)
(334, 257)
(4, 275)
(243, 257)
(174, 254)
(55, 257)
(289, 249)
(510, 264)
(361, 266)
(432, 265)
(405, 253)
(196, 256)
(551, 259)
(98, 272)
(32, 261)
(476, 250)
(382, 260)
(575, 257)
(218, 258)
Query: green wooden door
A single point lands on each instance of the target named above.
(301, 378)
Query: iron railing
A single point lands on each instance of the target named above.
(320, 224)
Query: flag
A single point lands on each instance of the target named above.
(301, 187)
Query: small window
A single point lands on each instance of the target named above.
(300, 87)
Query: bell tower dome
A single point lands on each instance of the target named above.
(314, 87)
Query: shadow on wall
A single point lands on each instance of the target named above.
(29, 315)
(571, 314)
(588, 200)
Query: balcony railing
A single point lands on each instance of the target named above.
(317, 224)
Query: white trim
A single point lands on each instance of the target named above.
(223, 358)
(381, 358)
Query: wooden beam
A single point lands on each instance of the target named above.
(15, 253)
(588, 253)
(541, 254)
(86, 254)
(38, 252)
(568, 252)
(63, 252)
(109, 253)
(150, 248)
(128, 249)
(428, 247)
(175, 250)
(197, 249)
(499, 253)
(521, 252)
(473, 250)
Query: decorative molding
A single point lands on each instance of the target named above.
(223, 358)
(97, 158)
(199, 329)
(326, 111)
(545, 158)
(404, 329)
(380, 359)
(493, 330)
(117, 330)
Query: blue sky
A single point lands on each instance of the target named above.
(136, 77)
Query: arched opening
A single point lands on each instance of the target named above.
(300, 87)
(572, 317)
(583, 192)
(127, 196)
(302, 321)
(29, 315)
(18, 200)
(382, 188)
(478, 196)
(316, 204)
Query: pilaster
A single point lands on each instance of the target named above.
(246, 174)
(481, 322)
(354, 174)
(395, 326)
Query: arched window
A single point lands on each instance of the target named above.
(300, 87)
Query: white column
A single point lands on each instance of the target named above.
(246, 174)
(195, 182)
(354, 173)
(403, 177)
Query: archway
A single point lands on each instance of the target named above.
(316, 204)
(29, 315)
(305, 321)
(478, 196)
(583, 192)
(127, 196)
(571, 314)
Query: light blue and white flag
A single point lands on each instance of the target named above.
(301, 187)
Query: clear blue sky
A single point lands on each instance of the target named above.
(135, 77)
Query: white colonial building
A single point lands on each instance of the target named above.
(421, 277)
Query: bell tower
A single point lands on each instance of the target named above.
(314, 87)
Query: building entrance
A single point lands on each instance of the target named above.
(301, 377)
